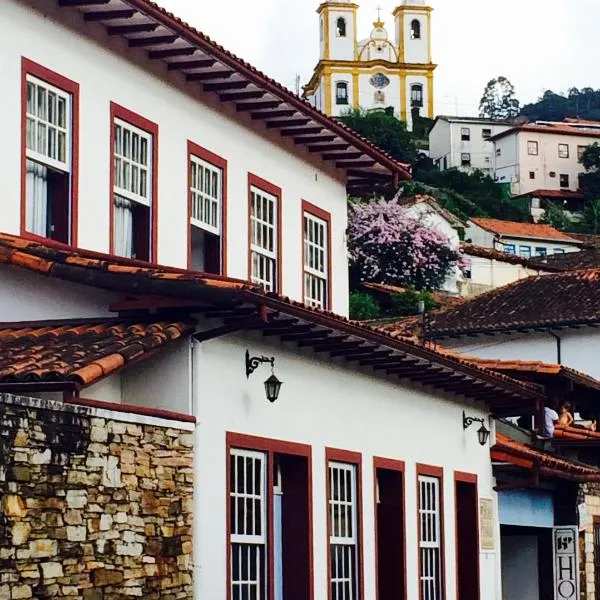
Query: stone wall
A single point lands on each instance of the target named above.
(590, 495)
(94, 504)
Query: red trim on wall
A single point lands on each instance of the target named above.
(324, 216)
(263, 184)
(270, 447)
(391, 465)
(221, 163)
(465, 477)
(462, 477)
(354, 458)
(431, 471)
(28, 67)
(120, 112)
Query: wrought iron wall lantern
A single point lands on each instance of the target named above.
(483, 433)
(272, 384)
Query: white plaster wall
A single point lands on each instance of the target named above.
(506, 164)
(106, 76)
(533, 244)
(109, 389)
(366, 92)
(440, 143)
(579, 348)
(479, 236)
(324, 404)
(28, 296)
(494, 273)
(341, 48)
(478, 147)
(416, 51)
(520, 567)
(161, 381)
(518, 165)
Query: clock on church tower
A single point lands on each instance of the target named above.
(379, 71)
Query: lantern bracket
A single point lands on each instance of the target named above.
(252, 362)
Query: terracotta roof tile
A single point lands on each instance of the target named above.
(82, 353)
(549, 465)
(587, 258)
(536, 302)
(539, 231)
(554, 194)
(143, 280)
(552, 128)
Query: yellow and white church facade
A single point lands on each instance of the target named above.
(374, 73)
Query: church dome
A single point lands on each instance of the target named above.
(379, 34)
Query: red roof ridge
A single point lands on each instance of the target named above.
(519, 229)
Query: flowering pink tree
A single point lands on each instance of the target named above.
(387, 246)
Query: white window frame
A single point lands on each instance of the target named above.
(120, 158)
(465, 159)
(465, 134)
(249, 544)
(259, 253)
(316, 248)
(430, 538)
(563, 151)
(532, 148)
(35, 123)
(206, 207)
(343, 533)
(525, 251)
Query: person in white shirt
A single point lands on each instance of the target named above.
(550, 421)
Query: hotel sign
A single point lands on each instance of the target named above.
(565, 563)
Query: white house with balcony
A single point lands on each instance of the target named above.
(464, 143)
(174, 233)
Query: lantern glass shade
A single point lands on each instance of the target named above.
(483, 434)
(272, 387)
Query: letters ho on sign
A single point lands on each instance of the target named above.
(566, 573)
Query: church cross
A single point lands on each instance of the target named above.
(379, 13)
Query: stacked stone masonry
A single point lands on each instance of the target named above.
(93, 506)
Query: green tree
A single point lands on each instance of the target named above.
(383, 129)
(590, 218)
(583, 104)
(499, 100)
(363, 307)
(556, 216)
(590, 180)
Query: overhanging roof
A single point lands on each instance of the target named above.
(193, 57)
(240, 305)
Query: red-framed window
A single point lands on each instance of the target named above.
(133, 184)
(207, 210)
(466, 505)
(269, 519)
(264, 233)
(390, 529)
(316, 256)
(49, 154)
(344, 524)
(430, 519)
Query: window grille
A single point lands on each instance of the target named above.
(316, 261)
(263, 238)
(132, 164)
(206, 195)
(48, 131)
(430, 546)
(343, 539)
(248, 533)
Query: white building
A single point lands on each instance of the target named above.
(464, 143)
(375, 72)
(538, 158)
(224, 155)
(526, 240)
(150, 141)
(488, 269)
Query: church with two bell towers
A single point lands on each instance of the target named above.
(376, 72)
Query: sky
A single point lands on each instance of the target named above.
(538, 44)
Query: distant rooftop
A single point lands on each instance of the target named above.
(539, 231)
